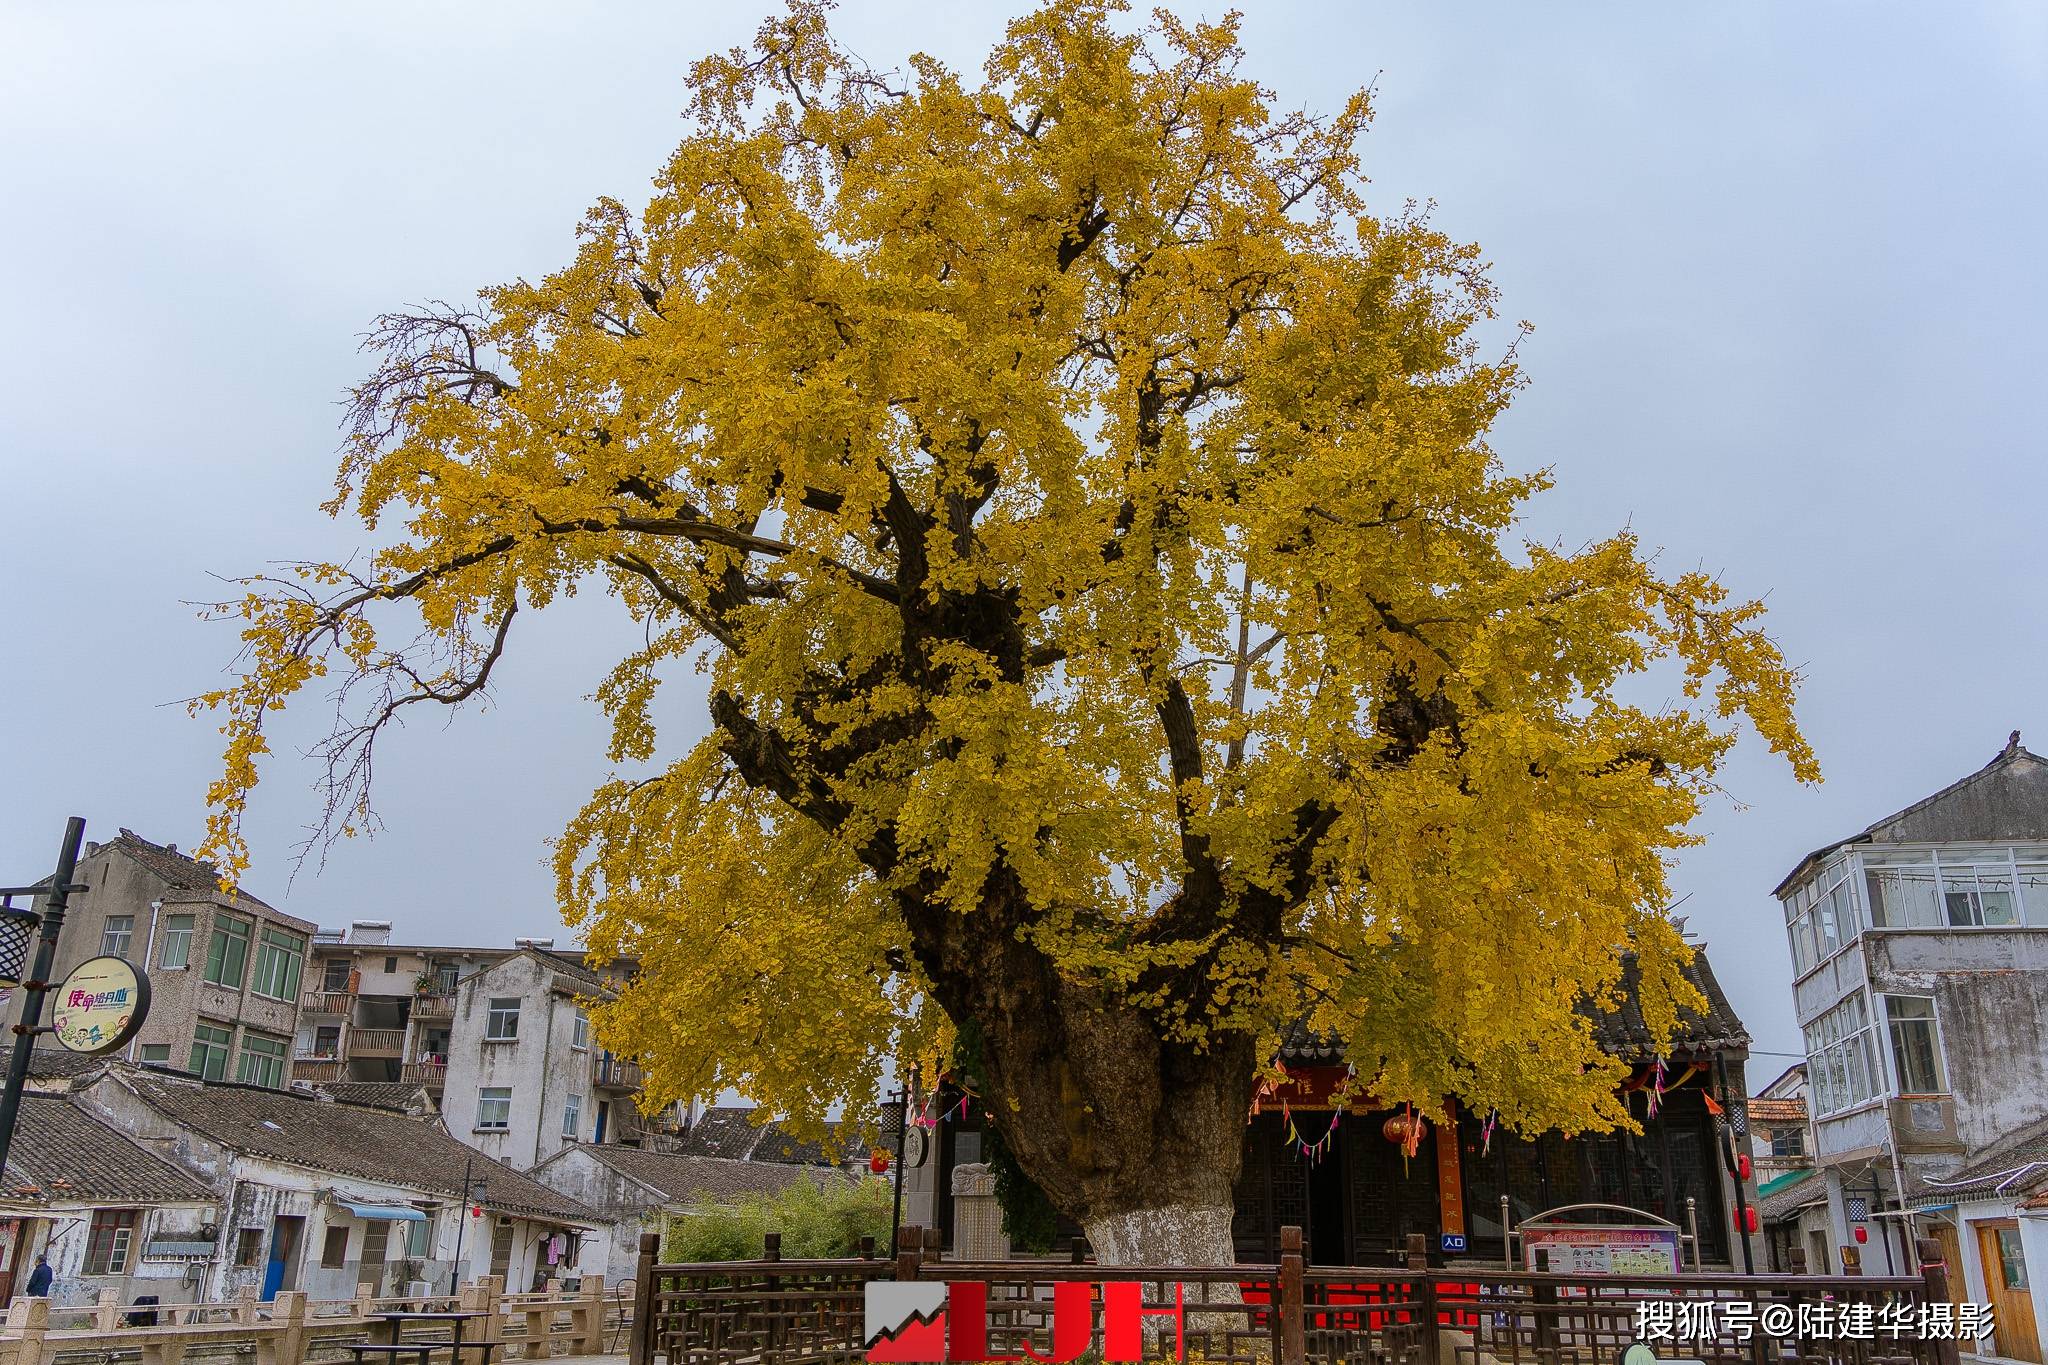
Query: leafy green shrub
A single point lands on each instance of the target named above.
(818, 1220)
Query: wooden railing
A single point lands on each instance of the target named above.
(375, 1042)
(292, 1329)
(423, 1072)
(776, 1312)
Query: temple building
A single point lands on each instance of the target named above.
(1361, 1189)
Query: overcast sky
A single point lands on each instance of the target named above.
(1783, 261)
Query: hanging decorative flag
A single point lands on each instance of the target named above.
(1656, 1085)
(1486, 1131)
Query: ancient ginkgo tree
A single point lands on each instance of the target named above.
(1115, 626)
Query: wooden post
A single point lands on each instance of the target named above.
(867, 1248)
(1293, 1310)
(1425, 1296)
(1852, 1259)
(771, 1251)
(909, 1241)
(1543, 1295)
(641, 1341)
(1934, 1274)
(1795, 1259)
(934, 1246)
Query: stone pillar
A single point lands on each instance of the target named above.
(977, 1219)
(287, 1344)
(29, 1321)
(587, 1318)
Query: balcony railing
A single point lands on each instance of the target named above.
(323, 1070)
(376, 1042)
(616, 1073)
(433, 1007)
(433, 1075)
(326, 1002)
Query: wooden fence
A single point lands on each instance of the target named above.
(776, 1312)
(293, 1329)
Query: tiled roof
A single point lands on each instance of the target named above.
(398, 1095)
(2014, 756)
(572, 967)
(1620, 1033)
(725, 1131)
(56, 1063)
(1777, 1111)
(347, 1139)
(2009, 1169)
(61, 1153)
(1787, 1195)
(684, 1178)
(174, 867)
(730, 1133)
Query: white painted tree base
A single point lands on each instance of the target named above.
(1189, 1235)
(1179, 1234)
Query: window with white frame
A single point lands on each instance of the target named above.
(109, 1239)
(494, 1108)
(1822, 914)
(1841, 1052)
(1916, 1045)
(177, 942)
(279, 958)
(1954, 888)
(579, 1032)
(501, 1024)
(116, 935)
(572, 1116)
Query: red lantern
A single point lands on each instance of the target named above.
(1861, 1234)
(1400, 1128)
(476, 1210)
(878, 1162)
(1749, 1218)
(1742, 1165)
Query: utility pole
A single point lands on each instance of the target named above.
(462, 1222)
(36, 984)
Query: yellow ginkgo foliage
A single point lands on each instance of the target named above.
(1115, 627)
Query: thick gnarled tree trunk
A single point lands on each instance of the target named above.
(1135, 1137)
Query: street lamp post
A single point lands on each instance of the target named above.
(36, 983)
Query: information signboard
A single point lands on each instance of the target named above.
(1603, 1249)
(100, 1005)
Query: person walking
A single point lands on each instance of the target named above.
(39, 1279)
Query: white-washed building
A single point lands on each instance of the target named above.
(108, 1213)
(1920, 978)
(325, 1196)
(525, 1076)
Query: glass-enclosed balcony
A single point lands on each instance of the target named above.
(1902, 888)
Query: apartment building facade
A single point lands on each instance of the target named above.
(374, 1011)
(225, 968)
(526, 1078)
(498, 1038)
(1920, 979)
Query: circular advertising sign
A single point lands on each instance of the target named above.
(100, 1005)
